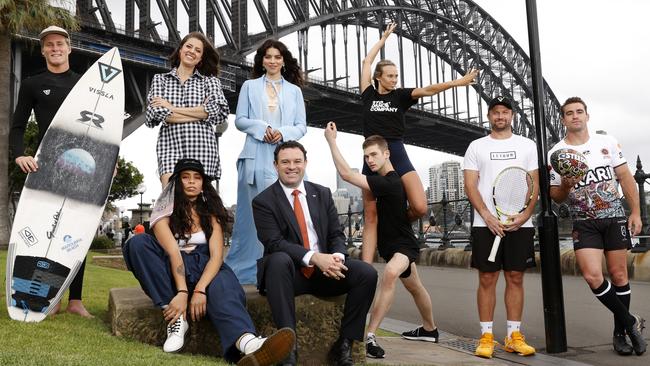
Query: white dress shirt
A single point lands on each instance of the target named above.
(311, 230)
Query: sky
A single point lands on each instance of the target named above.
(589, 48)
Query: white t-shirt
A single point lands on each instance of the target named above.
(596, 196)
(490, 156)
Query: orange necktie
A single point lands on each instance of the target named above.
(300, 217)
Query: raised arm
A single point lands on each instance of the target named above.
(433, 89)
(342, 166)
(365, 79)
(559, 193)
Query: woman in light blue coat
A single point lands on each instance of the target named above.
(270, 110)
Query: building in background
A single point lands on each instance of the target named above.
(446, 178)
(353, 191)
(347, 195)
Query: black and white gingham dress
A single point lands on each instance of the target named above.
(187, 140)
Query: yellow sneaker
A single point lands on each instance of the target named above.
(517, 343)
(485, 346)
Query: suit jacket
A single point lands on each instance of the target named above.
(250, 113)
(278, 230)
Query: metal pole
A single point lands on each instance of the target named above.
(640, 176)
(445, 233)
(552, 293)
(141, 208)
(349, 225)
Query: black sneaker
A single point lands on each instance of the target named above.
(373, 349)
(420, 334)
(620, 344)
(635, 332)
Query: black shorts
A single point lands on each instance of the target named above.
(606, 234)
(516, 251)
(411, 252)
(398, 157)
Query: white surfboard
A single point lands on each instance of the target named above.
(62, 203)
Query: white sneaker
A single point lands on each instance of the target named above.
(176, 335)
(268, 351)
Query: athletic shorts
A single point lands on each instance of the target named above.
(398, 158)
(516, 251)
(606, 234)
(411, 252)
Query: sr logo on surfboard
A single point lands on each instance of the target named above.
(88, 117)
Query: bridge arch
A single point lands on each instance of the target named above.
(459, 32)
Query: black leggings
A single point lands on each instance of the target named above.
(77, 284)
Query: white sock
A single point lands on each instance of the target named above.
(249, 343)
(513, 326)
(370, 335)
(486, 327)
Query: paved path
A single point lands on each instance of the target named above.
(453, 292)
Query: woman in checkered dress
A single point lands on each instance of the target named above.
(270, 110)
(188, 103)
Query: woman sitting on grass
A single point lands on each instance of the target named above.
(183, 265)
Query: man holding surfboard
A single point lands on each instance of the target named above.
(44, 93)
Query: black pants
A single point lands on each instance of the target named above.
(283, 281)
(77, 283)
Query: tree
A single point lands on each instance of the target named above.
(126, 181)
(18, 16)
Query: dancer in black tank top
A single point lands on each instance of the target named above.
(384, 107)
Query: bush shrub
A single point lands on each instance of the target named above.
(102, 242)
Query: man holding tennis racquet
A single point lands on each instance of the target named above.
(501, 182)
(599, 222)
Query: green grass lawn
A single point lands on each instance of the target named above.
(66, 339)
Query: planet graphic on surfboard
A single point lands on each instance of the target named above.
(76, 161)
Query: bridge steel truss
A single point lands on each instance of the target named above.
(451, 35)
(459, 32)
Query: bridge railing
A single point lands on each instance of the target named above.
(448, 225)
(121, 29)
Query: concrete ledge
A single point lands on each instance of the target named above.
(638, 264)
(133, 315)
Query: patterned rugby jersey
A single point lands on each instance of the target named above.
(596, 196)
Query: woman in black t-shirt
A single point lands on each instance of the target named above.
(384, 107)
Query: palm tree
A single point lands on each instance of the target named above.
(19, 16)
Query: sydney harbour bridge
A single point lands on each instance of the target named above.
(436, 41)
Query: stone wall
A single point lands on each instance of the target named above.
(133, 315)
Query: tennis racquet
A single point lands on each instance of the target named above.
(511, 193)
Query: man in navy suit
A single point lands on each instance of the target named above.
(288, 212)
